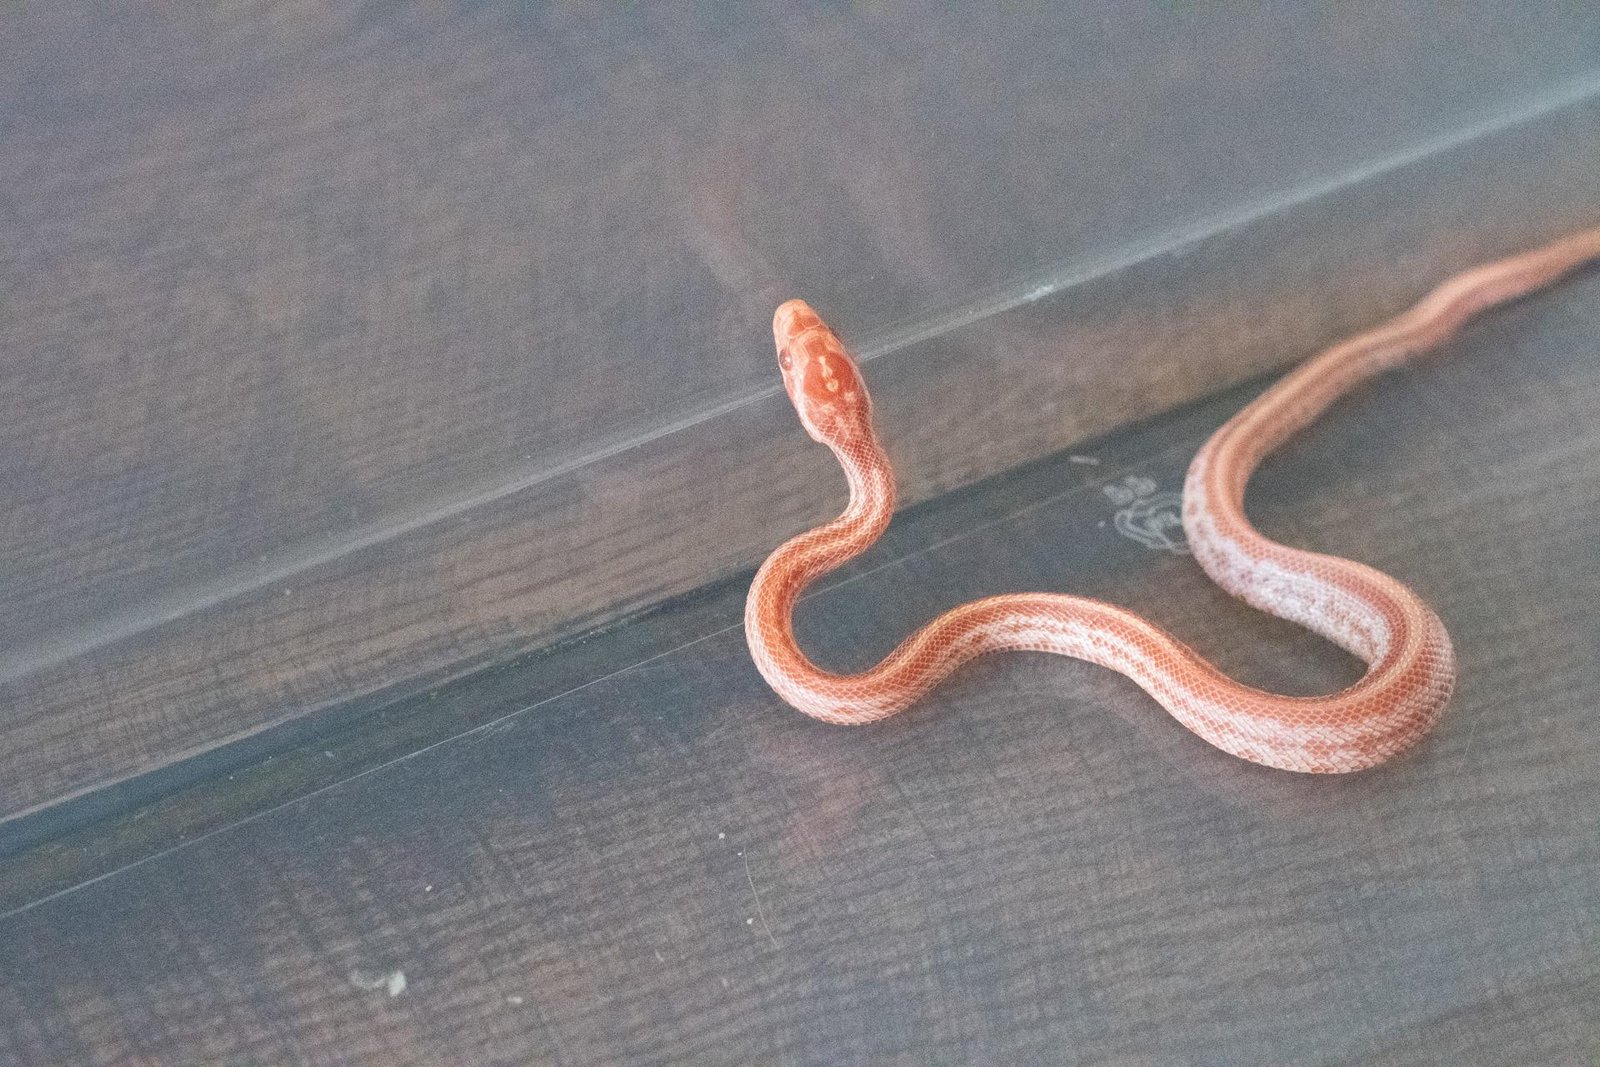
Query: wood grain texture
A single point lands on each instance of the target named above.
(1037, 865)
(345, 343)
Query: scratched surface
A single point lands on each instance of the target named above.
(324, 322)
(662, 864)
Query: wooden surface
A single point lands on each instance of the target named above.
(348, 343)
(661, 863)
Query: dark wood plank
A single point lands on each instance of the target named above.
(1037, 865)
(325, 326)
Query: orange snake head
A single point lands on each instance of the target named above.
(824, 383)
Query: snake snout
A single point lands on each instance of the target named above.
(793, 318)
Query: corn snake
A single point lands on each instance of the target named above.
(1411, 663)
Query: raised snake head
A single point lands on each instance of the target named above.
(824, 383)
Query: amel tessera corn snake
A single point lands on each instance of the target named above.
(1410, 663)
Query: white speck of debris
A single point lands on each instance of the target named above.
(427, 889)
(1088, 460)
(393, 983)
(761, 912)
(659, 957)
(328, 754)
(721, 835)
(513, 999)
(724, 983)
(750, 921)
(1102, 522)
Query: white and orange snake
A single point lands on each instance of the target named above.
(1411, 666)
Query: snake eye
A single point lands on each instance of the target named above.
(785, 360)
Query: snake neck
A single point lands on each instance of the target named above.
(802, 560)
